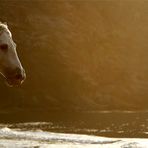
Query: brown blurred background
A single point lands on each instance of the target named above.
(78, 54)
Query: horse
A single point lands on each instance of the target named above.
(10, 66)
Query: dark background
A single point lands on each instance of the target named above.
(81, 55)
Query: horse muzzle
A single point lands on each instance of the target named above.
(15, 77)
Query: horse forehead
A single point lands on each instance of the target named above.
(5, 36)
(6, 31)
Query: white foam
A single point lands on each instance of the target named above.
(49, 136)
(11, 138)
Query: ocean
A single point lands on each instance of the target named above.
(93, 130)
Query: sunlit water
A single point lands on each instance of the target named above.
(92, 130)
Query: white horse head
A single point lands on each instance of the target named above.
(10, 66)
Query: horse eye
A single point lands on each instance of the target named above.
(4, 47)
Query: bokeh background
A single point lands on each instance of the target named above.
(79, 55)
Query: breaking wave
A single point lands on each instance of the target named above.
(19, 138)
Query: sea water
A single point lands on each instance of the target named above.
(17, 138)
(96, 130)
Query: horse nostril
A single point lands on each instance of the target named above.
(19, 77)
(19, 74)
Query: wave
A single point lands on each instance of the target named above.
(19, 138)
